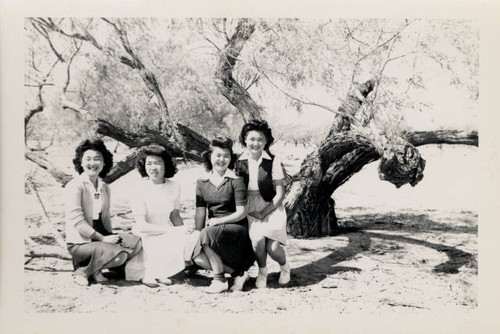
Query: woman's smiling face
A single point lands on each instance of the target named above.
(255, 141)
(220, 159)
(155, 168)
(92, 163)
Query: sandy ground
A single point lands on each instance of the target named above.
(386, 258)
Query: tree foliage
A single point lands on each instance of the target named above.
(288, 66)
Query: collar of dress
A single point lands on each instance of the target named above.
(246, 155)
(85, 179)
(229, 174)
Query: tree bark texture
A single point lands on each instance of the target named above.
(310, 208)
(237, 95)
(336, 160)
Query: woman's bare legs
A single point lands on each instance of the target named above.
(259, 248)
(219, 283)
(203, 261)
(276, 251)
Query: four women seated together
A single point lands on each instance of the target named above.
(239, 219)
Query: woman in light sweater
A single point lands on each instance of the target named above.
(89, 236)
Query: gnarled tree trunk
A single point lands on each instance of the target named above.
(310, 208)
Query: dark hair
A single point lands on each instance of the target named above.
(257, 125)
(158, 151)
(220, 142)
(95, 145)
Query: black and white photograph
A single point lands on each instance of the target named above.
(252, 166)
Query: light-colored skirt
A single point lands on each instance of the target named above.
(166, 254)
(273, 226)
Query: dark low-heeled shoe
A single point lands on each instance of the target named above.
(191, 270)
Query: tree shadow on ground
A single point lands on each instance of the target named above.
(360, 241)
(456, 257)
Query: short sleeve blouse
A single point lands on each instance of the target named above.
(223, 199)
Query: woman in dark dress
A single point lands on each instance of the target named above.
(224, 245)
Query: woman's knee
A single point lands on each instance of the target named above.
(259, 244)
(272, 246)
(202, 261)
(117, 261)
(120, 259)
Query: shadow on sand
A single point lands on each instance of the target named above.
(359, 241)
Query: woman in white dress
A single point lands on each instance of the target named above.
(167, 243)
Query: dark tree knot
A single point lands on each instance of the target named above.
(402, 164)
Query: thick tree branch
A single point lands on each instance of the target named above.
(195, 143)
(32, 113)
(58, 174)
(351, 105)
(420, 138)
(236, 94)
(121, 168)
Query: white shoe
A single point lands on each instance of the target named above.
(165, 281)
(261, 281)
(217, 287)
(285, 274)
(239, 282)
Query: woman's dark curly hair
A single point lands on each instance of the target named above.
(95, 145)
(221, 142)
(257, 125)
(158, 151)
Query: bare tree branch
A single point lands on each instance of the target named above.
(301, 100)
(45, 35)
(37, 149)
(49, 24)
(41, 105)
(210, 41)
(236, 94)
(68, 68)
